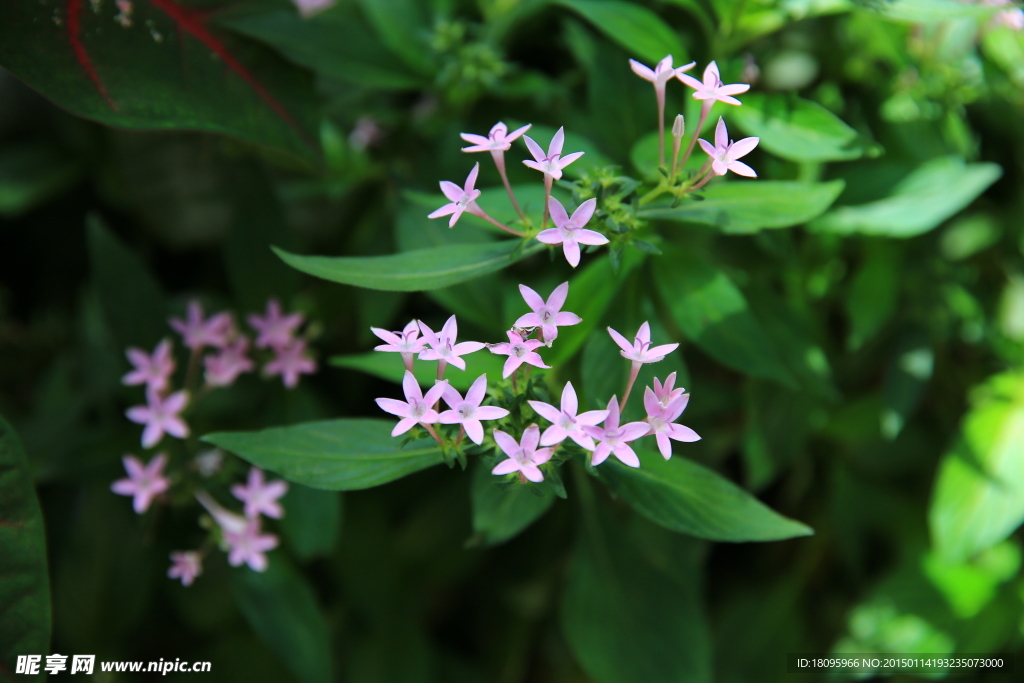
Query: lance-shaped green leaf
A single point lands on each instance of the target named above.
(686, 497)
(500, 511)
(750, 206)
(31, 172)
(414, 271)
(313, 522)
(341, 455)
(797, 129)
(639, 30)
(923, 11)
(920, 202)
(25, 584)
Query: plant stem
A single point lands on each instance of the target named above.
(659, 93)
(483, 214)
(499, 162)
(433, 433)
(705, 109)
(633, 372)
(548, 182)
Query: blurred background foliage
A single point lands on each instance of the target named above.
(872, 388)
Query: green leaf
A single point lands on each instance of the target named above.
(312, 521)
(389, 366)
(1005, 47)
(637, 29)
(712, 311)
(978, 498)
(169, 69)
(413, 271)
(920, 202)
(683, 496)
(25, 588)
(401, 25)
(796, 129)
(874, 292)
(281, 607)
(750, 206)
(339, 455)
(923, 11)
(31, 173)
(500, 510)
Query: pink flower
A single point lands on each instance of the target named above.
(569, 231)
(468, 412)
(144, 482)
(725, 152)
(153, 371)
(160, 416)
(565, 422)
(519, 351)
(197, 332)
(241, 536)
(290, 362)
(641, 351)
(260, 497)
(407, 342)
(547, 315)
(275, 330)
(712, 88)
(496, 141)
(462, 198)
(661, 419)
(417, 408)
(614, 439)
(187, 565)
(522, 457)
(443, 347)
(662, 72)
(223, 369)
(664, 392)
(552, 163)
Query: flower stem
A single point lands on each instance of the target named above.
(705, 109)
(633, 372)
(499, 162)
(483, 214)
(430, 430)
(702, 183)
(660, 95)
(548, 182)
(462, 433)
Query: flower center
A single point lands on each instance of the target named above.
(545, 315)
(519, 351)
(466, 412)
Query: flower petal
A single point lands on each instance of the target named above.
(558, 214)
(550, 236)
(477, 391)
(506, 466)
(590, 237)
(623, 343)
(740, 168)
(547, 411)
(570, 402)
(532, 473)
(683, 433)
(626, 455)
(506, 443)
(571, 251)
(642, 71)
(535, 150)
(531, 437)
(490, 413)
(475, 431)
(721, 134)
(742, 148)
(557, 140)
(452, 191)
(532, 298)
(583, 213)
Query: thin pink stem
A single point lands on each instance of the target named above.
(407, 357)
(659, 93)
(462, 433)
(702, 183)
(431, 431)
(548, 182)
(705, 109)
(483, 214)
(633, 372)
(499, 162)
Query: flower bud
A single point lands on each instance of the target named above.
(678, 126)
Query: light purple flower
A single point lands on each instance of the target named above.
(153, 371)
(468, 412)
(187, 565)
(662, 418)
(641, 351)
(407, 342)
(552, 163)
(547, 315)
(725, 152)
(662, 72)
(569, 231)
(498, 140)
(290, 362)
(222, 369)
(664, 392)
(523, 457)
(241, 535)
(712, 88)
(443, 347)
(614, 439)
(462, 199)
(565, 422)
(519, 351)
(260, 496)
(160, 416)
(198, 332)
(144, 482)
(275, 330)
(417, 408)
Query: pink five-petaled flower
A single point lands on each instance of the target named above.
(443, 347)
(275, 330)
(241, 535)
(547, 315)
(712, 88)
(565, 422)
(198, 332)
(144, 482)
(498, 140)
(662, 419)
(552, 163)
(725, 152)
(187, 565)
(523, 457)
(160, 416)
(615, 439)
(569, 231)
(641, 351)
(417, 407)
(222, 369)
(519, 351)
(462, 198)
(664, 392)
(468, 412)
(153, 371)
(260, 496)
(407, 342)
(661, 74)
(290, 362)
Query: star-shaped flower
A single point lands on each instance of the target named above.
(662, 72)
(523, 457)
(725, 152)
(443, 347)
(565, 422)
(245, 543)
(417, 408)
(615, 439)
(569, 232)
(187, 565)
(519, 351)
(498, 140)
(662, 418)
(275, 330)
(198, 331)
(290, 362)
(153, 371)
(664, 392)
(712, 88)
(552, 163)
(160, 416)
(144, 482)
(407, 342)
(468, 412)
(462, 199)
(547, 315)
(641, 351)
(259, 496)
(222, 369)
